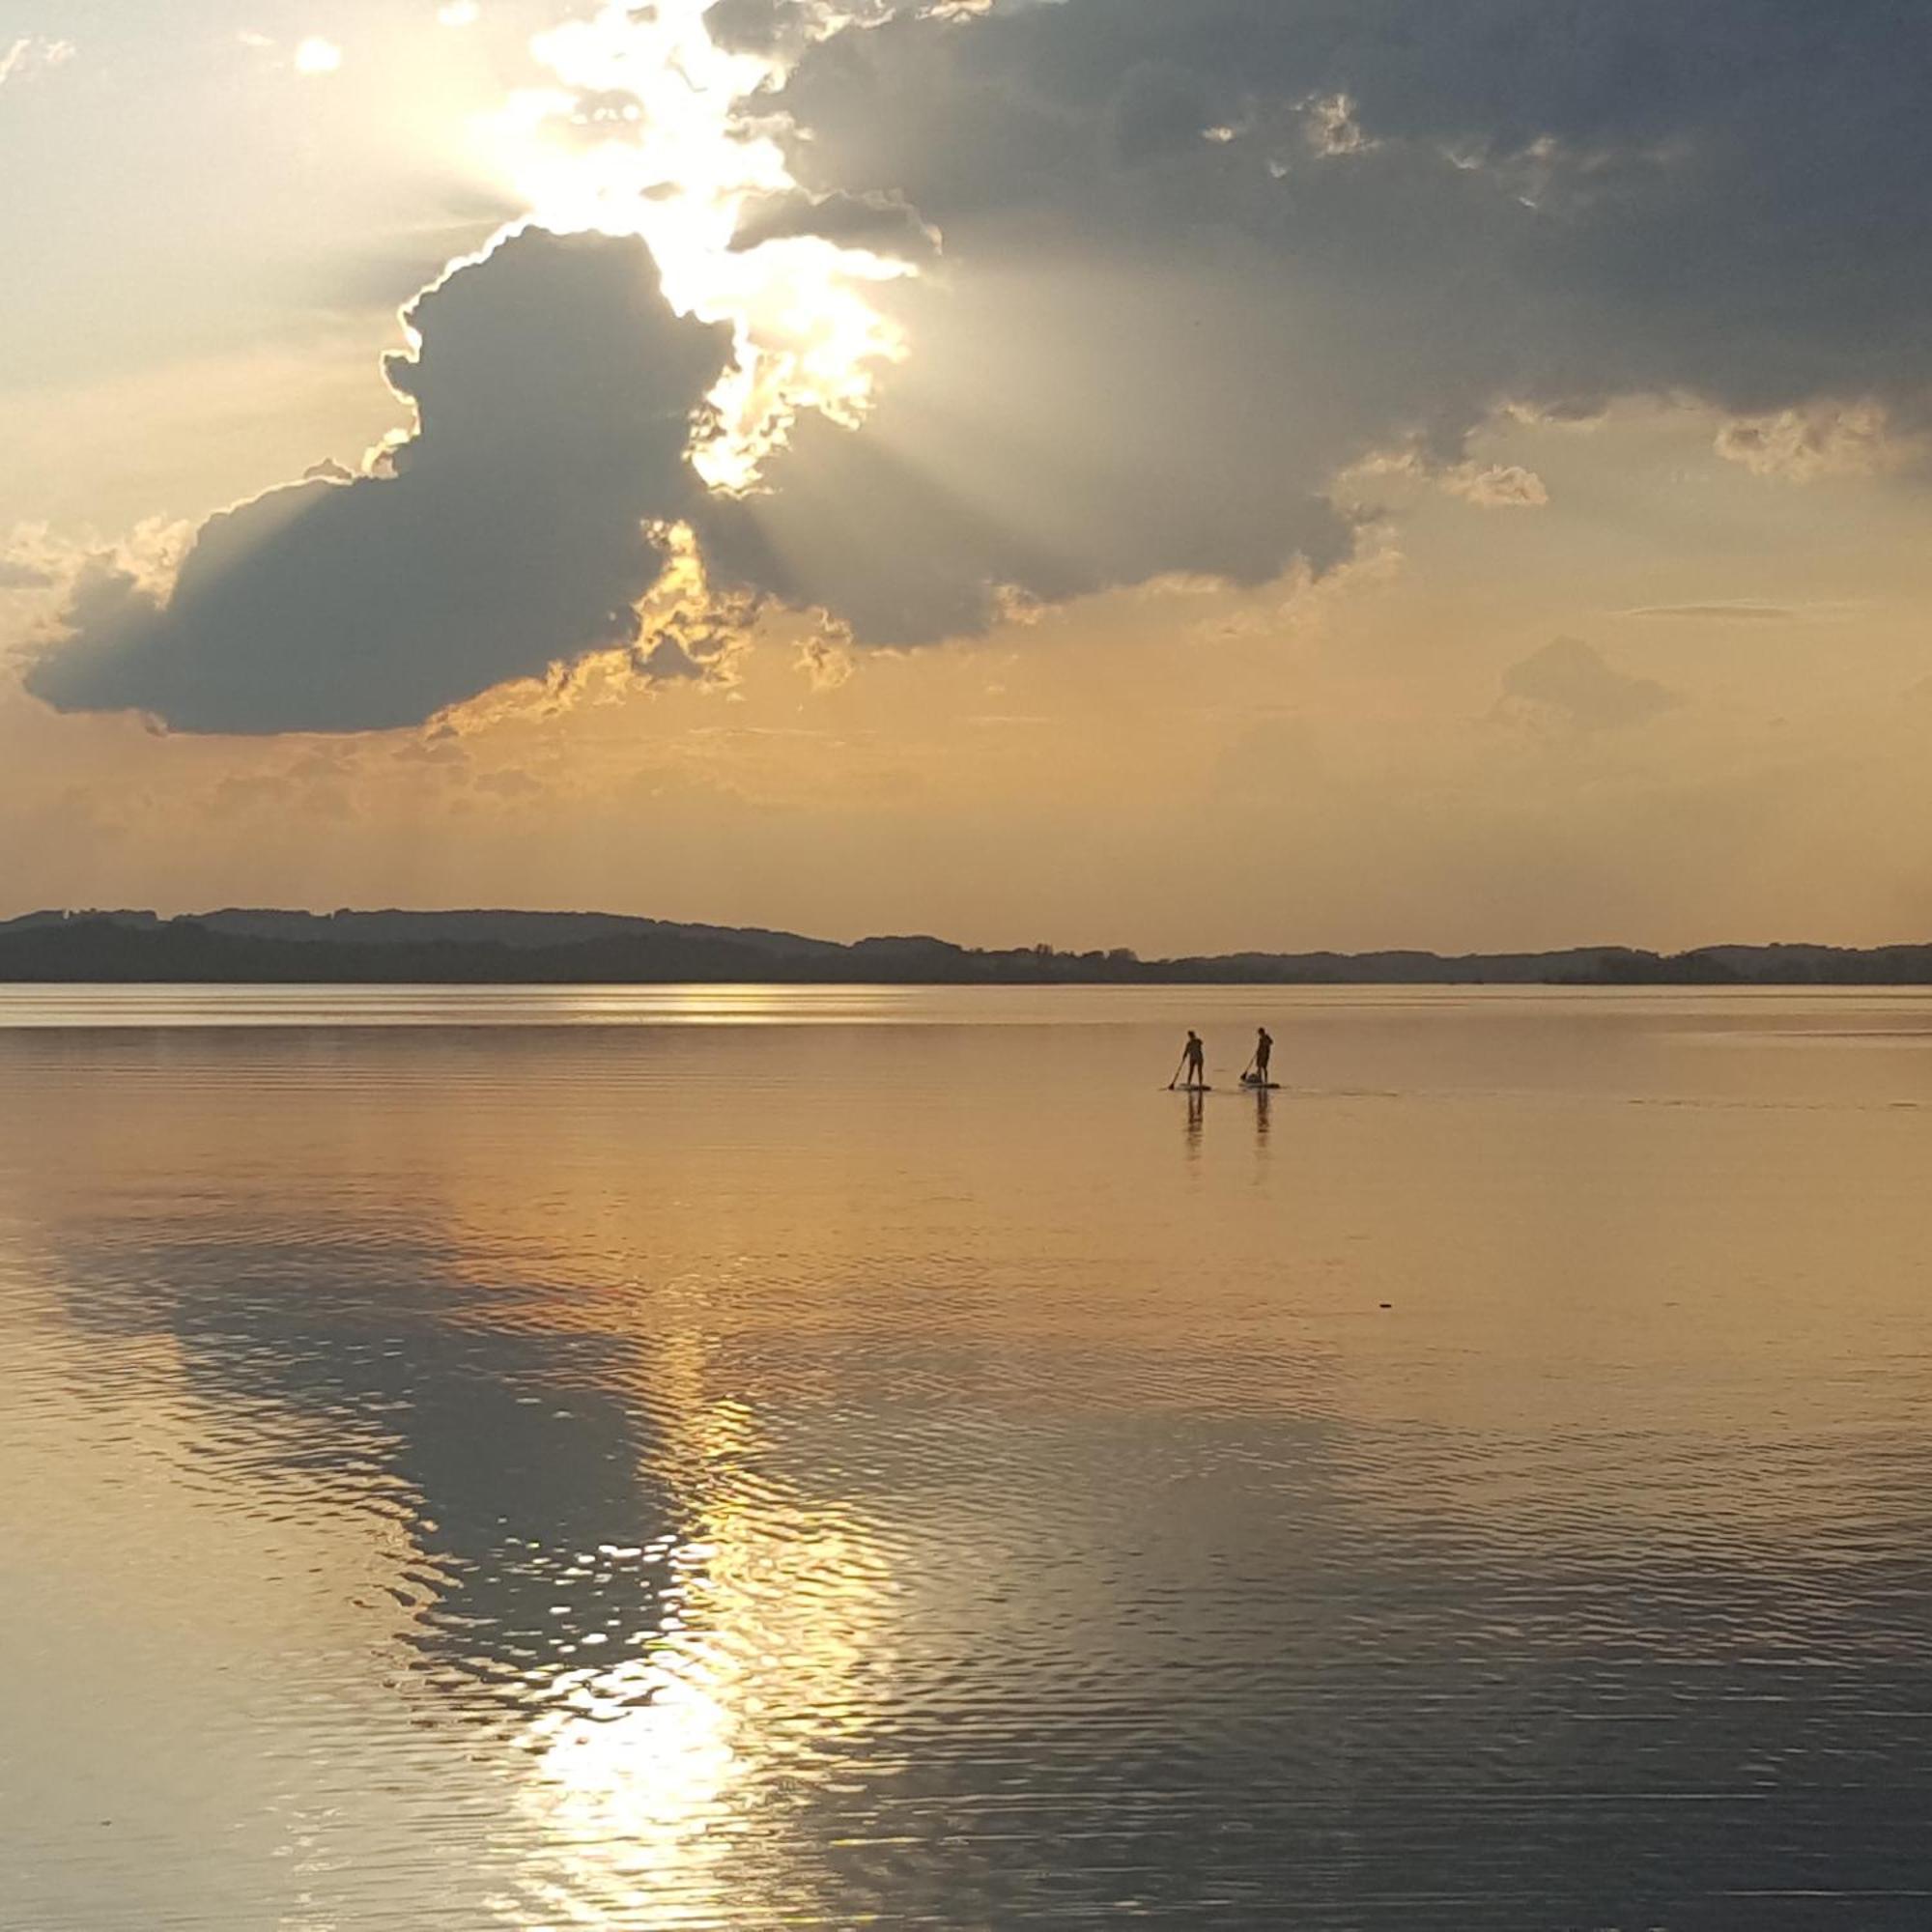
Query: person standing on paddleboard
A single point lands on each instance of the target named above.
(1196, 1060)
(1264, 1046)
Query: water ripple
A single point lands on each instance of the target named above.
(881, 1471)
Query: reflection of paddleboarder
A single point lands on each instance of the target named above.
(1195, 1060)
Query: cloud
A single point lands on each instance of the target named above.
(555, 393)
(1202, 258)
(14, 575)
(827, 666)
(1496, 487)
(32, 54)
(783, 27)
(1159, 108)
(668, 662)
(1574, 681)
(883, 223)
(1820, 440)
(1736, 610)
(33, 558)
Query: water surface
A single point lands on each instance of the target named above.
(734, 1456)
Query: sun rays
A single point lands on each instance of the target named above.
(646, 132)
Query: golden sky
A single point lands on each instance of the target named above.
(1101, 473)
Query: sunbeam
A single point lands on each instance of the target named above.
(646, 133)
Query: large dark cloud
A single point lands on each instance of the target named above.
(1731, 195)
(555, 392)
(1201, 257)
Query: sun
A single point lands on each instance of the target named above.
(645, 132)
(315, 55)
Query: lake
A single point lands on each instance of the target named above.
(650, 1458)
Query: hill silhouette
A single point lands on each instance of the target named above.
(241, 945)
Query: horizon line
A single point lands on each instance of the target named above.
(70, 914)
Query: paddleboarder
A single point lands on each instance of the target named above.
(1195, 1059)
(1264, 1046)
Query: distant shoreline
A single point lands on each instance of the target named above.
(239, 947)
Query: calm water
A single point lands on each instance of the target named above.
(826, 1458)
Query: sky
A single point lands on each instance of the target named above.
(1189, 474)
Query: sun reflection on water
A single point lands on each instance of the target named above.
(654, 1756)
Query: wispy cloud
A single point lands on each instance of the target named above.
(1739, 611)
(33, 54)
(1827, 438)
(1496, 486)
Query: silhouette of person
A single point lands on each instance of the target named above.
(1196, 1058)
(1264, 1046)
